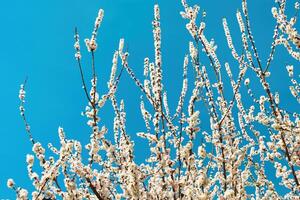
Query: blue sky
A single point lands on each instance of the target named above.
(37, 41)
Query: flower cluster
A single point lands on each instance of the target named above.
(91, 44)
(289, 33)
(228, 160)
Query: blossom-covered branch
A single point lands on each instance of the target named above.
(229, 160)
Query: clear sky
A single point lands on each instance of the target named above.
(36, 40)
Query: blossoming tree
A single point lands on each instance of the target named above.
(231, 161)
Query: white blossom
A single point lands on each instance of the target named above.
(10, 183)
(227, 141)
